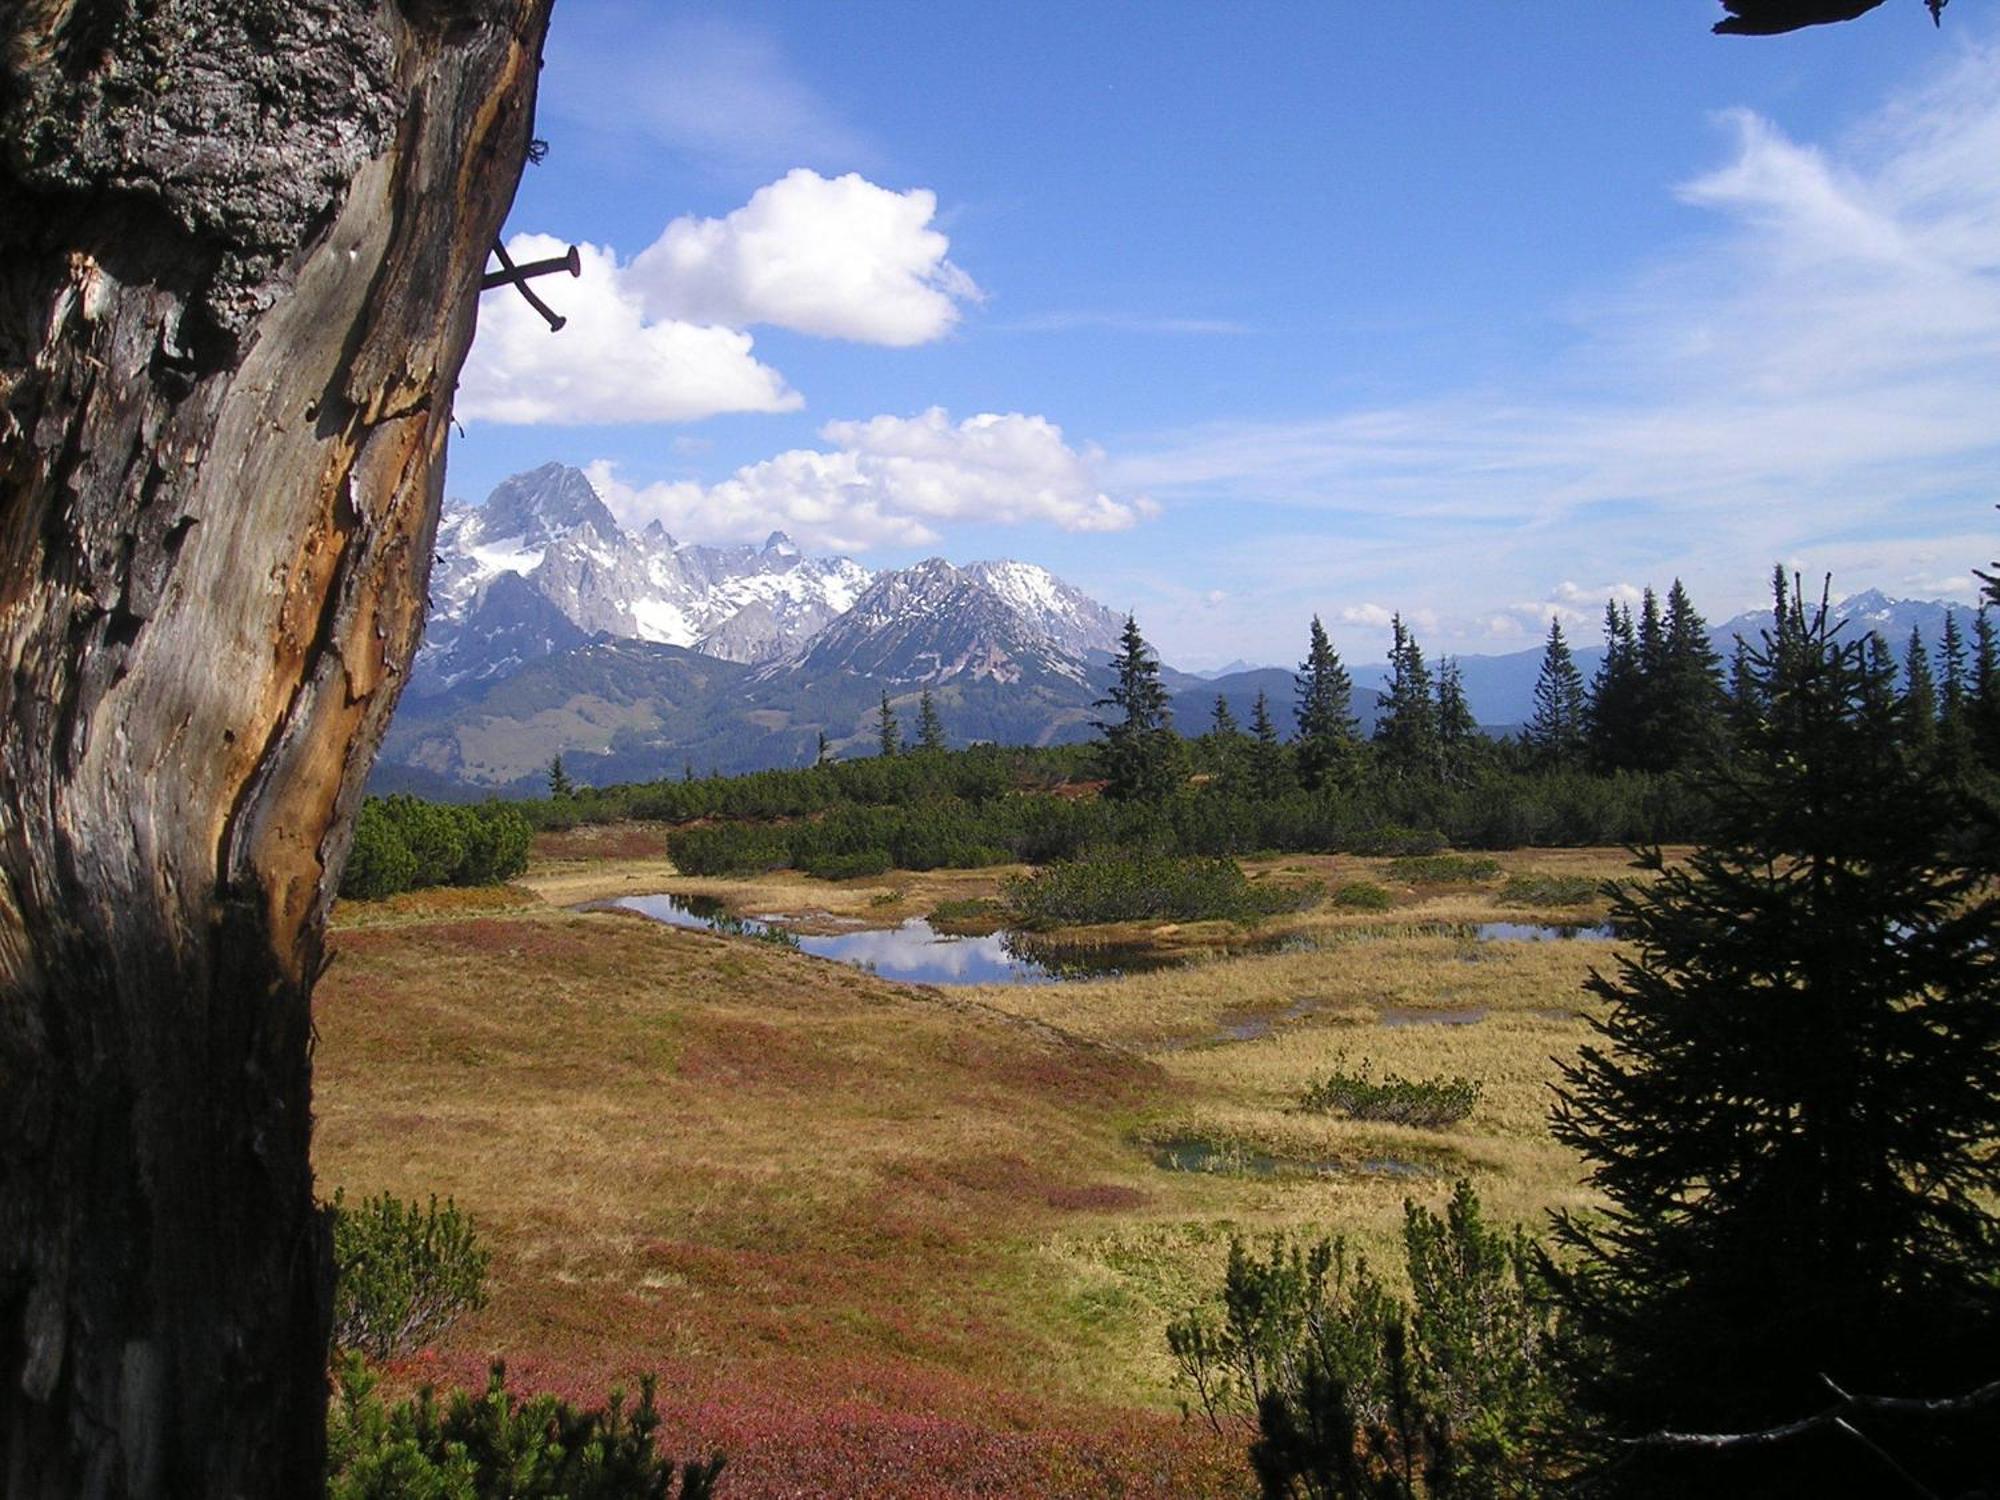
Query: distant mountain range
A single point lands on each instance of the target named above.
(554, 630)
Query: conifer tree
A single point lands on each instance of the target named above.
(1952, 682)
(1406, 730)
(1919, 699)
(1457, 730)
(1791, 1107)
(888, 733)
(821, 755)
(930, 727)
(1221, 722)
(560, 785)
(1985, 708)
(1744, 705)
(1137, 750)
(1325, 747)
(1686, 702)
(1270, 776)
(1555, 733)
(1612, 720)
(1223, 744)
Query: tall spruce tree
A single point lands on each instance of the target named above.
(1686, 720)
(1744, 705)
(1459, 741)
(1406, 729)
(1555, 732)
(1919, 699)
(1223, 745)
(1270, 773)
(1221, 722)
(930, 727)
(888, 733)
(1791, 1110)
(1612, 720)
(1137, 751)
(1985, 710)
(1324, 750)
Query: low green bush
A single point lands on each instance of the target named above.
(1393, 838)
(402, 1273)
(978, 914)
(496, 1446)
(1443, 869)
(379, 862)
(850, 866)
(403, 843)
(729, 849)
(1533, 889)
(1363, 895)
(1343, 1389)
(1394, 1100)
(1128, 887)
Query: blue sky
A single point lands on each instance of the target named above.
(1231, 315)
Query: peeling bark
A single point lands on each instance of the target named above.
(240, 247)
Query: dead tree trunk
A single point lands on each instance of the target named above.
(240, 247)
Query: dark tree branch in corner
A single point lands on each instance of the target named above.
(1848, 1405)
(1773, 17)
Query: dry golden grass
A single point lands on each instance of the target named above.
(815, 1199)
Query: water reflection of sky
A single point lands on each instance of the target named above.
(919, 954)
(914, 951)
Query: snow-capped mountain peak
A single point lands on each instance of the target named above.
(549, 527)
(544, 564)
(933, 621)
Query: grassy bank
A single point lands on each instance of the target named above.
(897, 1240)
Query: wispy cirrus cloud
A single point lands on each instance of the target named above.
(1109, 322)
(712, 88)
(1813, 376)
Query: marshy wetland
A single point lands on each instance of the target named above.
(924, 1237)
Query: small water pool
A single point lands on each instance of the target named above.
(1194, 1154)
(913, 951)
(1545, 932)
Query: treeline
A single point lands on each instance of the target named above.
(1622, 758)
(402, 843)
(1496, 809)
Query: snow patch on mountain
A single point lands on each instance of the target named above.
(550, 528)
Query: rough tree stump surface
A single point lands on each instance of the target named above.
(240, 247)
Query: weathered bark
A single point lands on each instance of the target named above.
(240, 246)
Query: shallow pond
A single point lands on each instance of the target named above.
(1192, 1154)
(1544, 932)
(914, 951)
(918, 953)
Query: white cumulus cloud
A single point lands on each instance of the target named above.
(835, 257)
(890, 481)
(661, 338)
(610, 362)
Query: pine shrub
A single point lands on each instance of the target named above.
(1131, 887)
(1443, 869)
(1348, 1393)
(1363, 895)
(496, 1446)
(402, 1274)
(1393, 1099)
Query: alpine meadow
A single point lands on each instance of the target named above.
(791, 750)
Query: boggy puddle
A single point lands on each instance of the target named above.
(912, 951)
(1193, 1154)
(918, 953)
